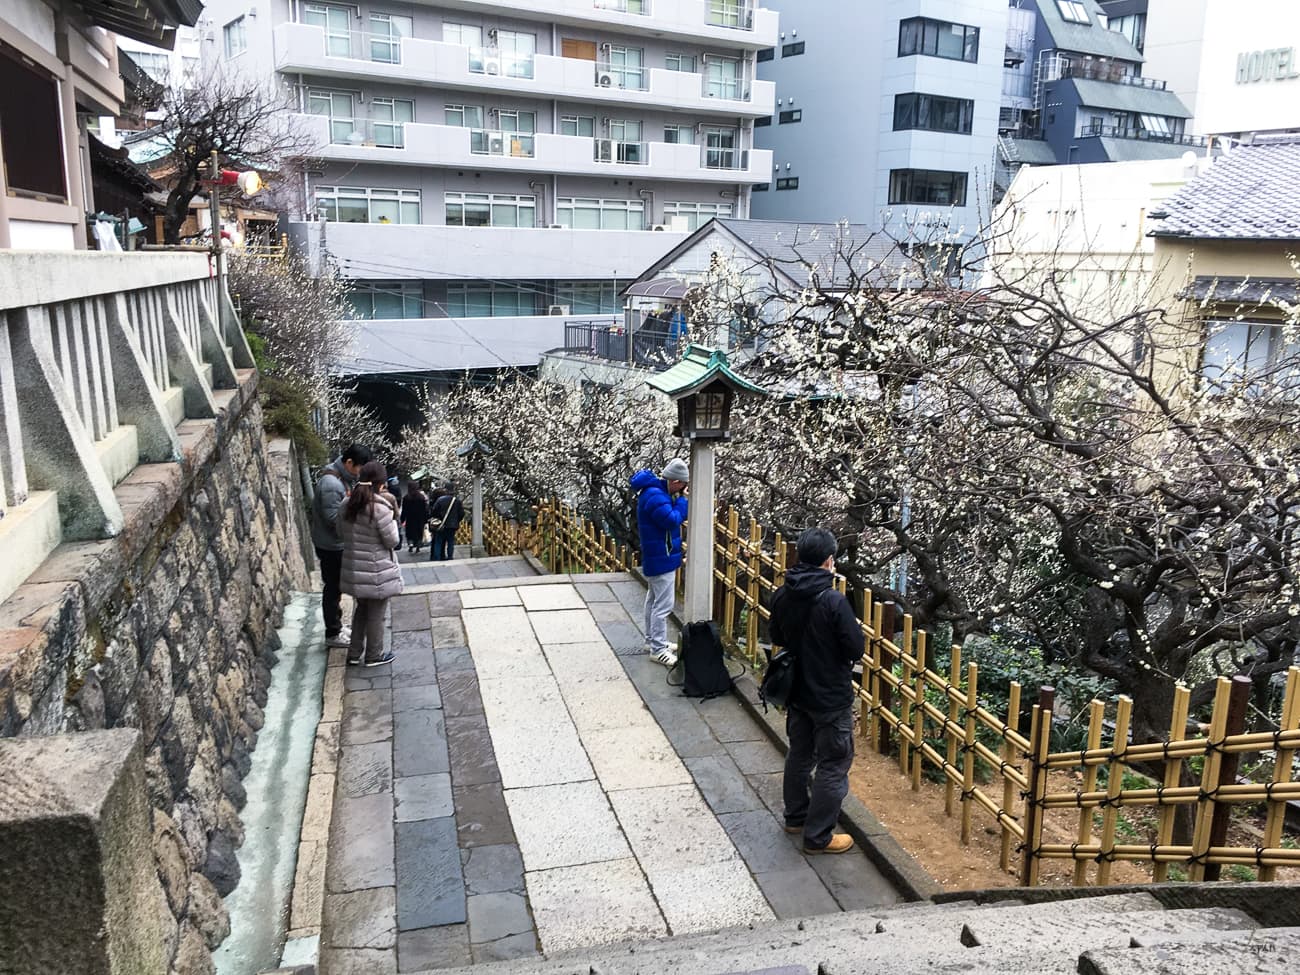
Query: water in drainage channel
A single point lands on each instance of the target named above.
(277, 793)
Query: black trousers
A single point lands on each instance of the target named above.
(331, 602)
(821, 742)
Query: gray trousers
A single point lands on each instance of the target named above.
(658, 604)
(368, 629)
(820, 741)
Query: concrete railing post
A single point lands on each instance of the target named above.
(79, 889)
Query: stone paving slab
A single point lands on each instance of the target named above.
(565, 626)
(565, 825)
(595, 903)
(634, 758)
(430, 885)
(555, 597)
(483, 598)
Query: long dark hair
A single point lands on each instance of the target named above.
(369, 480)
(412, 490)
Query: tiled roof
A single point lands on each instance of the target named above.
(1034, 152)
(799, 249)
(1253, 193)
(1128, 98)
(1133, 150)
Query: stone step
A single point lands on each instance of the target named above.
(1149, 940)
(1083, 931)
(1265, 951)
(835, 942)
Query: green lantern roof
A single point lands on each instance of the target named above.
(697, 369)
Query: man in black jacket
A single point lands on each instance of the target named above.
(810, 617)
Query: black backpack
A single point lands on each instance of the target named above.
(704, 671)
(778, 683)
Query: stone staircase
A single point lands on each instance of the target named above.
(1114, 934)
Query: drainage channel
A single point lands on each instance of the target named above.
(277, 793)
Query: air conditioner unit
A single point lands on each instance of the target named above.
(557, 310)
(492, 65)
(604, 79)
(661, 226)
(555, 226)
(497, 143)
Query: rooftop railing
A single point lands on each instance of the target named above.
(1109, 71)
(1144, 135)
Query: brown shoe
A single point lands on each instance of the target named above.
(794, 829)
(840, 843)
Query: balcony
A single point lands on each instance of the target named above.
(1113, 72)
(1145, 135)
(736, 23)
(421, 144)
(307, 49)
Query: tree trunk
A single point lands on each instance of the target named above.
(177, 209)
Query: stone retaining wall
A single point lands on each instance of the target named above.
(169, 628)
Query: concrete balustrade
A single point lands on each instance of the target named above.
(101, 356)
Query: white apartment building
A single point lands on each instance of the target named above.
(887, 113)
(508, 160)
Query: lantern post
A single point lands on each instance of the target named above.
(475, 453)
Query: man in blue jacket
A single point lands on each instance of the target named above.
(660, 511)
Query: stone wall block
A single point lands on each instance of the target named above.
(157, 782)
(233, 787)
(173, 869)
(192, 954)
(228, 821)
(87, 705)
(180, 741)
(221, 866)
(207, 911)
(189, 823)
(118, 673)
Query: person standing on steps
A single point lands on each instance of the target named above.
(661, 508)
(812, 618)
(371, 575)
(415, 514)
(447, 512)
(332, 488)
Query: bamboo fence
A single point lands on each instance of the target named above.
(935, 724)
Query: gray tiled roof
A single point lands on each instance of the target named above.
(1253, 193)
(796, 248)
(1035, 152)
(1128, 98)
(1131, 150)
(1090, 38)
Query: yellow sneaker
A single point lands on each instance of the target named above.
(840, 843)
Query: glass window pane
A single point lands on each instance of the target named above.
(388, 304)
(384, 211)
(410, 211)
(353, 210)
(478, 303)
(586, 218)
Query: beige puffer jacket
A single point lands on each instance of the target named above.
(370, 569)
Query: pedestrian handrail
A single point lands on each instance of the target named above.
(935, 724)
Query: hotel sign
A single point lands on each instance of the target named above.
(1275, 64)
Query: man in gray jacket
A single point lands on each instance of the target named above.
(332, 488)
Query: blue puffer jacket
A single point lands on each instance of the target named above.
(659, 519)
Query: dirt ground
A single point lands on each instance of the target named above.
(917, 822)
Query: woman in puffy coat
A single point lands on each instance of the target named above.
(368, 524)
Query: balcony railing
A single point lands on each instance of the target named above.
(367, 132)
(494, 142)
(623, 6)
(360, 45)
(492, 61)
(1145, 135)
(614, 150)
(628, 79)
(1109, 71)
(737, 14)
(712, 157)
(652, 345)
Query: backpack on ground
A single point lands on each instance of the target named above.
(704, 670)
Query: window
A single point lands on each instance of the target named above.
(627, 65)
(788, 183)
(236, 37)
(722, 78)
(492, 300)
(386, 299)
(30, 136)
(935, 113)
(490, 210)
(1073, 11)
(336, 22)
(728, 13)
(190, 66)
(359, 204)
(468, 36)
(939, 39)
(1240, 349)
(792, 50)
(760, 122)
(156, 66)
(679, 135)
(466, 116)
(388, 119)
(583, 213)
(680, 62)
(386, 33)
(695, 214)
(517, 128)
(766, 54)
(589, 297)
(762, 187)
(337, 107)
(1156, 125)
(579, 125)
(517, 50)
(720, 150)
(794, 115)
(927, 186)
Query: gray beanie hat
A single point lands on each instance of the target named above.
(676, 470)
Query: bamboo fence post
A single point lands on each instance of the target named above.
(1114, 786)
(718, 584)
(729, 605)
(1209, 778)
(873, 650)
(1282, 759)
(904, 696)
(1173, 774)
(751, 593)
(1009, 787)
(867, 689)
(918, 714)
(1238, 703)
(950, 738)
(1040, 736)
(885, 632)
(1096, 722)
(968, 750)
